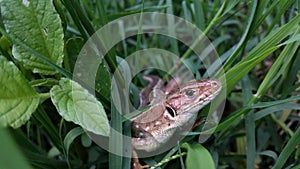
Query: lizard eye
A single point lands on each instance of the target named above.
(189, 93)
(214, 83)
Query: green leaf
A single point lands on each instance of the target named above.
(36, 24)
(18, 100)
(243, 40)
(5, 44)
(286, 106)
(102, 82)
(70, 137)
(198, 157)
(269, 153)
(260, 52)
(76, 104)
(11, 156)
(200, 16)
(86, 140)
(288, 150)
(73, 47)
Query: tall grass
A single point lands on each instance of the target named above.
(258, 43)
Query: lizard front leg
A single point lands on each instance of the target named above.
(135, 161)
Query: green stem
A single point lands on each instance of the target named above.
(44, 95)
(282, 125)
(168, 159)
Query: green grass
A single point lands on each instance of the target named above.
(258, 45)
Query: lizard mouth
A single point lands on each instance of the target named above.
(138, 132)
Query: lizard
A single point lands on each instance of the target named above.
(169, 110)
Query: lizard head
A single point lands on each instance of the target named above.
(194, 95)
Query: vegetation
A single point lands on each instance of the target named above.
(43, 125)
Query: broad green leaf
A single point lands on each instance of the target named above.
(18, 100)
(38, 26)
(76, 104)
(10, 156)
(198, 157)
(102, 81)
